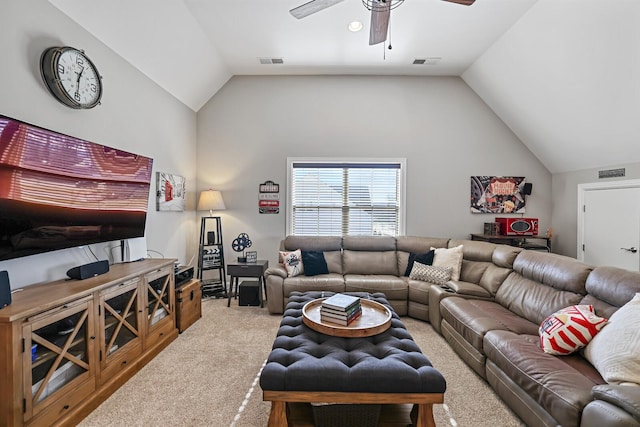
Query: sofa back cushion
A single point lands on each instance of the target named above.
(369, 255)
(500, 268)
(609, 288)
(406, 245)
(541, 284)
(330, 245)
(478, 263)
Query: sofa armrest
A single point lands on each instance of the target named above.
(626, 397)
(278, 270)
(468, 289)
(274, 277)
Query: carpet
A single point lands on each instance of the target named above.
(209, 377)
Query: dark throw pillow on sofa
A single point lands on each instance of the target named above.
(314, 263)
(426, 259)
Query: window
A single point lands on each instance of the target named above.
(341, 198)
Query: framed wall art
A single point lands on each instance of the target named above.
(170, 192)
(497, 194)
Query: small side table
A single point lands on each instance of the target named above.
(247, 269)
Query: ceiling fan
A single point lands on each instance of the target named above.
(380, 13)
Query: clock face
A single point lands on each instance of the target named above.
(71, 77)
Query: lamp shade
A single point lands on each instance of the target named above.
(211, 200)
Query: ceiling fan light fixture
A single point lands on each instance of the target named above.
(381, 5)
(355, 26)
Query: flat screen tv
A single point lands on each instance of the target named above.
(57, 191)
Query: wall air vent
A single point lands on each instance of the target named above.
(611, 173)
(268, 61)
(426, 61)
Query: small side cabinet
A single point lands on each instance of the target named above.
(188, 304)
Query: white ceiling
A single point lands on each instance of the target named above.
(513, 53)
(192, 47)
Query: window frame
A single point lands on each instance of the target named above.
(402, 162)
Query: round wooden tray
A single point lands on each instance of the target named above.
(375, 318)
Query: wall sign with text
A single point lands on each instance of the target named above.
(269, 198)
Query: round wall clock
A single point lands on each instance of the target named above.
(71, 77)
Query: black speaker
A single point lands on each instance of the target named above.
(526, 189)
(211, 237)
(249, 293)
(5, 289)
(89, 270)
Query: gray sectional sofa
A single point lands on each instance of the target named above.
(489, 316)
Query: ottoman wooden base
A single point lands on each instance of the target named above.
(422, 415)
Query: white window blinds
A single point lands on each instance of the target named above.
(345, 198)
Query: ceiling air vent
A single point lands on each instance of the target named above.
(268, 61)
(611, 173)
(426, 61)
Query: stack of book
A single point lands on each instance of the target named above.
(341, 309)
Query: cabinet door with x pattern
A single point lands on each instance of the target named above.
(120, 327)
(58, 359)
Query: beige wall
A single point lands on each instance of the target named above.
(135, 115)
(250, 127)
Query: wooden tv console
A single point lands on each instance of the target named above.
(66, 346)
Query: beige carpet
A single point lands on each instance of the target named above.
(208, 377)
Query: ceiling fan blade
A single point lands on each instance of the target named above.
(463, 2)
(312, 7)
(379, 24)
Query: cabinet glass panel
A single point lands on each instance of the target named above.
(158, 299)
(59, 354)
(120, 321)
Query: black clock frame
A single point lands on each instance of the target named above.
(48, 65)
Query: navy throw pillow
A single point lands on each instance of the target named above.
(314, 263)
(426, 259)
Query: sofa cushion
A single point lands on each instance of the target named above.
(570, 329)
(541, 284)
(418, 291)
(561, 385)
(493, 277)
(615, 351)
(312, 243)
(369, 262)
(472, 319)
(314, 263)
(323, 282)
(472, 271)
(451, 257)
(394, 287)
(610, 288)
(557, 271)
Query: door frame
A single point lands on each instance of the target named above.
(595, 186)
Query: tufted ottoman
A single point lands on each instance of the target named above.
(308, 366)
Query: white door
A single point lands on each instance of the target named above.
(611, 226)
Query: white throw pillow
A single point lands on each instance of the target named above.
(615, 351)
(292, 262)
(451, 257)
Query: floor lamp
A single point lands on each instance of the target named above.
(211, 253)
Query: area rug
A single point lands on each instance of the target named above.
(209, 377)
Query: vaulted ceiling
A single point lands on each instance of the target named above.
(564, 75)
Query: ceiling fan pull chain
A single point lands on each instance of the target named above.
(389, 38)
